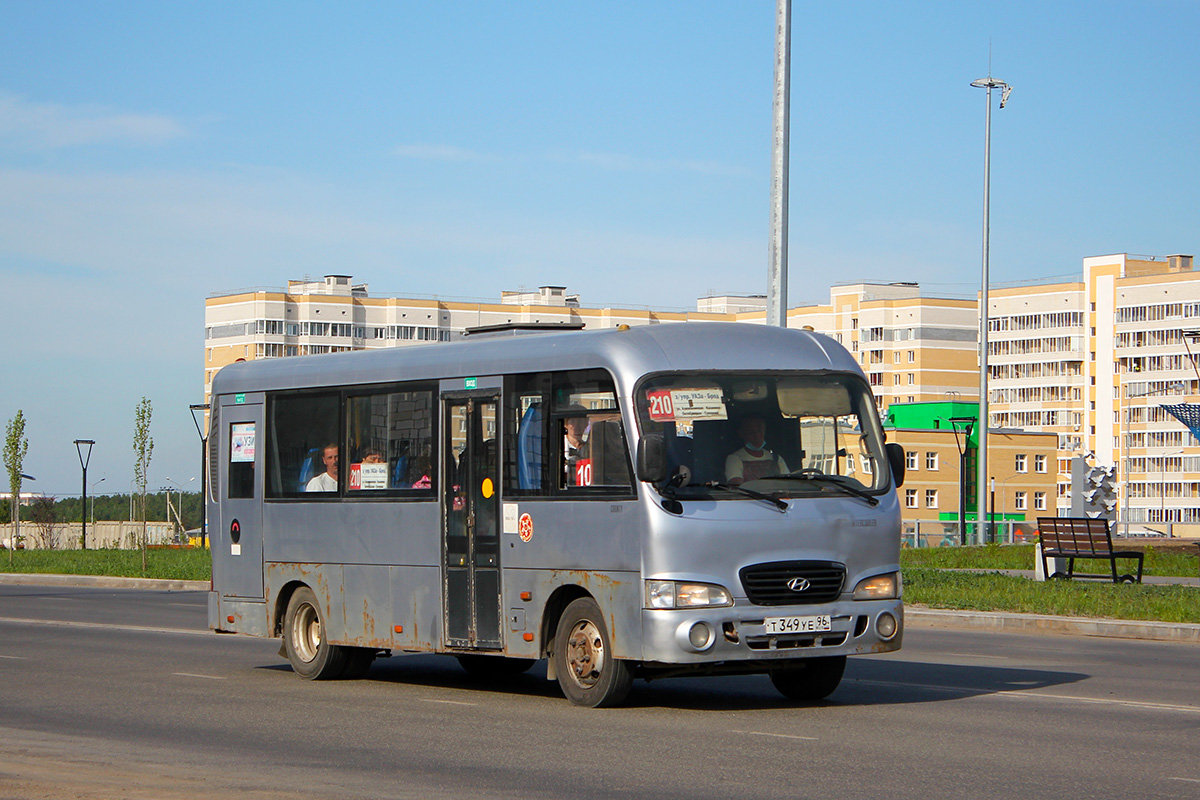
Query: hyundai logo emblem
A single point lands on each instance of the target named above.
(799, 584)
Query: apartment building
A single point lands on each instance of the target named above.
(914, 348)
(334, 314)
(1093, 361)
(935, 437)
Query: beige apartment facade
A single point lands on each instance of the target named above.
(913, 348)
(1093, 361)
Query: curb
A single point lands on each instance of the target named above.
(103, 581)
(1042, 623)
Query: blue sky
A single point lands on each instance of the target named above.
(154, 153)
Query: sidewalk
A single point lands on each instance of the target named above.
(915, 616)
(103, 582)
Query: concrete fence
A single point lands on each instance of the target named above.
(100, 535)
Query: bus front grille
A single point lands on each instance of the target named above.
(786, 583)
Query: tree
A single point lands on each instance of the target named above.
(43, 511)
(15, 448)
(143, 448)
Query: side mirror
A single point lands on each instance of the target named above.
(895, 455)
(652, 458)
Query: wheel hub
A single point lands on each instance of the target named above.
(585, 654)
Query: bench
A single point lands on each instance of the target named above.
(1080, 537)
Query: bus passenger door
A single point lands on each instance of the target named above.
(470, 522)
(237, 544)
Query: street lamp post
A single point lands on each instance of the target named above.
(1125, 447)
(202, 408)
(1162, 488)
(991, 534)
(955, 421)
(83, 462)
(988, 83)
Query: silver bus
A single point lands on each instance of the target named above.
(675, 499)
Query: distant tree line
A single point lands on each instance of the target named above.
(112, 507)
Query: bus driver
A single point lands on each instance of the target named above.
(752, 460)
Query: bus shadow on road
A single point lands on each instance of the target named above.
(868, 682)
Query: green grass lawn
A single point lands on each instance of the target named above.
(992, 591)
(1161, 562)
(191, 564)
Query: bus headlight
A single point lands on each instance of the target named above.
(880, 587)
(678, 594)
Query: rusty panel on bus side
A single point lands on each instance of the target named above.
(416, 607)
(367, 605)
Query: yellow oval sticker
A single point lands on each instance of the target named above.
(488, 488)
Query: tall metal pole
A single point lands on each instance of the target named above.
(83, 462)
(982, 458)
(777, 269)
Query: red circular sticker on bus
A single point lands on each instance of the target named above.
(525, 527)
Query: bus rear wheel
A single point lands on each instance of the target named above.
(311, 655)
(810, 678)
(583, 659)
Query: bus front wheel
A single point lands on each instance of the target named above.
(311, 655)
(587, 671)
(810, 678)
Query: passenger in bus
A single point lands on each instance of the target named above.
(327, 481)
(575, 449)
(373, 457)
(752, 460)
(422, 467)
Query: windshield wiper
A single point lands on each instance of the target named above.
(766, 498)
(837, 481)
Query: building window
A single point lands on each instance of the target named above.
(1022, 463)
(912, 378)
(910, 459)
(896, 379)
(910, 498)
(931, 460)
(931, 498)
(1039, 464)
(1021, 501)
(1039, 501)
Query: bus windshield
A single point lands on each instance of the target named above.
(782, 435)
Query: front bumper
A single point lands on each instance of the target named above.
(737, 633)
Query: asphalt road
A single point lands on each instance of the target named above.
(123, 693)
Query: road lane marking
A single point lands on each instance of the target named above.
(110, 626)
(1031, 695)
(779, 735)
(975, 655)
(449, 702)
(194, 675)
(16, 658)
(1185, 780)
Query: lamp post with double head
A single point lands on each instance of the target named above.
(988, 83)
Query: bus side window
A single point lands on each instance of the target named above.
(299, 429)
(242, 436)
(389, 439)
(525, 453)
